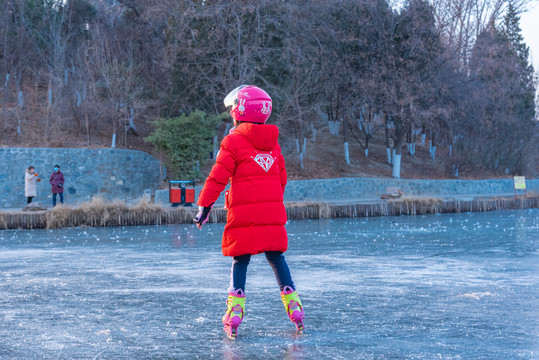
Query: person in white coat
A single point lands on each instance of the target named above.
(30, 184)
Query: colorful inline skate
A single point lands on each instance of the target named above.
(234, 313)
(293, 306)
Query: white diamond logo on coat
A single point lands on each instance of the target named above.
(264, 160)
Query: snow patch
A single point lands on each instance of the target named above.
(477, 295)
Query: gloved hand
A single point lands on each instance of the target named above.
(35, 174)
(38, 180)
(60, 185)
(202, 216)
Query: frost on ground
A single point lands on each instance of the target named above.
(455, 286)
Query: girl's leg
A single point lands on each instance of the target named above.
(62, 198)
(53, 199)
(238, 274)
(289, 295)
(236, 296)
(280, 268)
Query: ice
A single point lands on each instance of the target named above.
(454, 286)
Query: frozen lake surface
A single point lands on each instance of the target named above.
(455, 286)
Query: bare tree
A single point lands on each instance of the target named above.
(461, 21)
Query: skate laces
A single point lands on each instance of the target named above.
(239, 294)
(287, 290)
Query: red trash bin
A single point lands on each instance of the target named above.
(179, 194)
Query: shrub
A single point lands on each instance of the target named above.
(186, 141)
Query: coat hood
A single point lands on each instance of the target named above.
(261, 136)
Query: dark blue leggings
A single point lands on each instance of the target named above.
(275, 259)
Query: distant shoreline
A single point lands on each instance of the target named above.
(113, 214)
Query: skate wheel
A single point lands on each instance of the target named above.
(231, 333)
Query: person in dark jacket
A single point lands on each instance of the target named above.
(57, 182)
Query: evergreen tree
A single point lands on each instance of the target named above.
(186, 141)
(512, 32)
(500, 107)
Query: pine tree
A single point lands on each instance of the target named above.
(512, 32)
(500, 103)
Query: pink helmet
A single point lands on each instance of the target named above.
(249, 103)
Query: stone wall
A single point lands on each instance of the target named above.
(373, 188)
(351, 189)
(112, 173)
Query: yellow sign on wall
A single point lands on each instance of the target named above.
(520, 182)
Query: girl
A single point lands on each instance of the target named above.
(251, 158)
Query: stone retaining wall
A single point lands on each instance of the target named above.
(354, 188)
(112, 173)
(350, 189)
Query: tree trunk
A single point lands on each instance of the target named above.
(399, 135)
(215, 147)
(433, 147)
(346, 148)
(397, 166)
(132, 120)
(388, 147)
(367, 138)
(409, 141)
(226, 130)
(87, 129)
(20, 113)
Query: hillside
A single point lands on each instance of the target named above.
(324, 159)
(73, 75)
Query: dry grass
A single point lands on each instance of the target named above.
(529, 195)
(301, 203)
(145, 204)
(420, 201)
(324, 210)
(99, 212)
(3, 220)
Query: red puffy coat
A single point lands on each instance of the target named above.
(251, 158)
